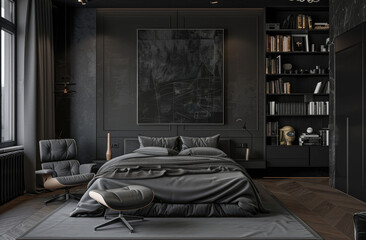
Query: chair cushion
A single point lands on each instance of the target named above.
(63, 168)
(126, 198)
(57, 150)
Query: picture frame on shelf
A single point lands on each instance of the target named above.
(300, 42)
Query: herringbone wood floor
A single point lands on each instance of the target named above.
(328, 211)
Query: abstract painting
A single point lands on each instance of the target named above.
(180, 76)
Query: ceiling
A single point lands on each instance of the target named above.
(185, 3)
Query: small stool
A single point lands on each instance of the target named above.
(359, 220)
(123, 199)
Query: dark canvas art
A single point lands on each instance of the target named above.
(180, 76)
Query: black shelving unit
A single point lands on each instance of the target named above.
(302, 85)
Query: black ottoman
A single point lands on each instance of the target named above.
(123, 199)
(359, 220)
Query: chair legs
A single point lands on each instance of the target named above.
(123, 219)
(62, 197)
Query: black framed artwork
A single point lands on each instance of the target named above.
(300, 43)
(180, 76)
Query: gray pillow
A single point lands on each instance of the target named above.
(165, 142)
(203, 151)
(190, 142)
(157, 151)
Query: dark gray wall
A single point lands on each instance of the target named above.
(344, 15)
(83, 72)
(116, 73)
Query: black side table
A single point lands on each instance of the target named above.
(99, 163)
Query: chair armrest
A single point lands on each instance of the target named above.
(45, 171)
(86, 168)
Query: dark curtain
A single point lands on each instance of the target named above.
(38, 82)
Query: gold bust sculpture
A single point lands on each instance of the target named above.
(287, 135)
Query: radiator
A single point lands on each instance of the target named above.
(11, 175)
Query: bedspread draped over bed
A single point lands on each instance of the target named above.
(183, 186)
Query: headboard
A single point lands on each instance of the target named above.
(131, 144)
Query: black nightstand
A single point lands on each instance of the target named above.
(252, 163)
(99, 163)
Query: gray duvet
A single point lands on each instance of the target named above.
(188, 186)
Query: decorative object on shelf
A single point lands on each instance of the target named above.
(272, 26)
(287, 68)
(108, 154)
(308, 1)
(287, 135)
(309, 130)
(321, 26)
(244, 127)
(310, 139)
(300, 43)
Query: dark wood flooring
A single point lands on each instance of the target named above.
(328, 211)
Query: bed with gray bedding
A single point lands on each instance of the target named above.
(184, 186)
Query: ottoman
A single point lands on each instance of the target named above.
(123, 199)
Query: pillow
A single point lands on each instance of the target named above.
(203, 151)
(165, 142)
(157, 151)
(190, 142)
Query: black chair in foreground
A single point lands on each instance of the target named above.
(60, 169)
(123, 199)
(359, 220)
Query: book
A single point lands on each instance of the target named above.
(317, 88)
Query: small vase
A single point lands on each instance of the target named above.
(247, 153)
(108, 154)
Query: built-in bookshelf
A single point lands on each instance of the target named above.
(297, 79)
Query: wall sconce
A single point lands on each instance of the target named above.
(83, 2)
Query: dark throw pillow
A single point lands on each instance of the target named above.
(191, 142)
(203, 151)
(165, 142)
(157, 151)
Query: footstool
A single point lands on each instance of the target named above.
(123, 199)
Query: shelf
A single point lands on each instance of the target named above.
(297, 75)
(297, 94)
(298, 53)
(294, 31)
(297, 115)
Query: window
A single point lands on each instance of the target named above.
(7, 73)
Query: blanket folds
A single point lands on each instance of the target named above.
(183, 186)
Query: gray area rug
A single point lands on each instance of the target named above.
(279, 224)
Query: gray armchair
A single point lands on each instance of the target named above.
(60, 170)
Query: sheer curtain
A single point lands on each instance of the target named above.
(36, 80)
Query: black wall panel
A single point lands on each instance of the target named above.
(116, 73)
(102, 49)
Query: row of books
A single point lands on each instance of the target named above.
(318, 108)
(278, 43)
(273, 65)
(296, 108)
(321, 139)
(322, 87)
(304, 21)
(278, 87)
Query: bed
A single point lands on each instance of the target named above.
(194, 185)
